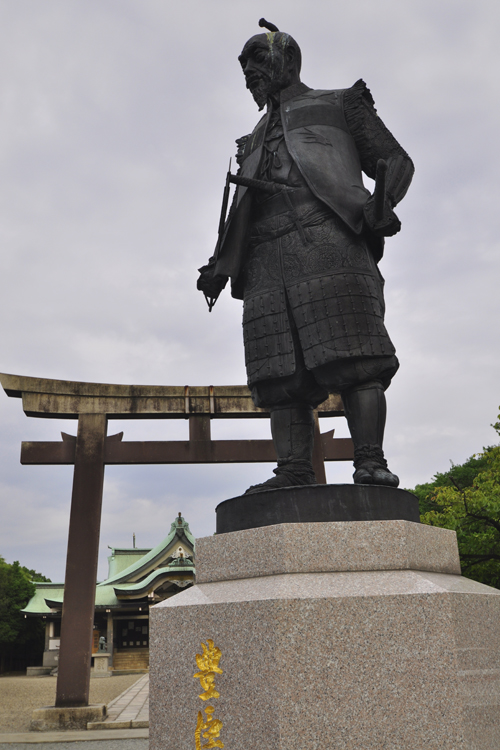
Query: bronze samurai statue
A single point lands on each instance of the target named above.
(301, 246)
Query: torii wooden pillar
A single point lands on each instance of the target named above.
(92, 404)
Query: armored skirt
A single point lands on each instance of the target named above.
(309, 282)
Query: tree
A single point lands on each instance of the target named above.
(461, 474)
(467, 500)
(19, 636)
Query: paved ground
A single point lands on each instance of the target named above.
(126, 696)
(130, 710)
(127, 739)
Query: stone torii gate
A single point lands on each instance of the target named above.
(93, 404)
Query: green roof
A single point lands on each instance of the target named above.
(105, 597)
(37, 605)
(155, 555)
(122, 558)
(143, 585)
(106, 592)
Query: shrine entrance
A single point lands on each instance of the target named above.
(93, 404)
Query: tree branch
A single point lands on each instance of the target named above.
(487, 520)
(479, 558)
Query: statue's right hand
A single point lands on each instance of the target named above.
(209, 283)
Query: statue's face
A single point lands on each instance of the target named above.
(263, 61)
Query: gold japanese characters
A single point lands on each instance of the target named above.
(208, 727)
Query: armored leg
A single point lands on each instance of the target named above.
(292, 428)
(365, 409)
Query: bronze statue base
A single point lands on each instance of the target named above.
(316, 503)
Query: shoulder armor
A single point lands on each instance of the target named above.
(361, 89)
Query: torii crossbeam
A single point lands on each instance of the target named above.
(93, 404)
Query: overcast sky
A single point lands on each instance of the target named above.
(117, 121)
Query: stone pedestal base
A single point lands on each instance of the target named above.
(52, 718)
(101, 665)
(334, 636)
(38, 671)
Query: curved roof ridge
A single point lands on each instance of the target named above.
(37, 605)
(155, 553)
(146, 582)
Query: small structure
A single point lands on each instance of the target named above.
(136, 579)
(101, 662)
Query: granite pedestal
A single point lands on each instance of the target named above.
(54, 718)
(101, 665)
(336, 635)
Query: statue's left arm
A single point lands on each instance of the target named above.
(374, 142)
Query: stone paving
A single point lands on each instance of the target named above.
(128, 720)
(119, 739)
(130, 710)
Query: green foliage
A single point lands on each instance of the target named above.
(462, 475)
(34, 576)
(16, 589)
(467, 500)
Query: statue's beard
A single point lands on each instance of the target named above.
(259, 92)
(264, 88)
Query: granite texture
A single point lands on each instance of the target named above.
(331, 660)
(53, 718)
(329, 546)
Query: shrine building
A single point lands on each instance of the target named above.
(137, 578)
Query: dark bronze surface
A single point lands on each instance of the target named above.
(301, 246)
(315, 504)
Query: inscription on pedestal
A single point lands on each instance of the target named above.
(208, 727)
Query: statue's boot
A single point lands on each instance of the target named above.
(365, 410)
(292, 429)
